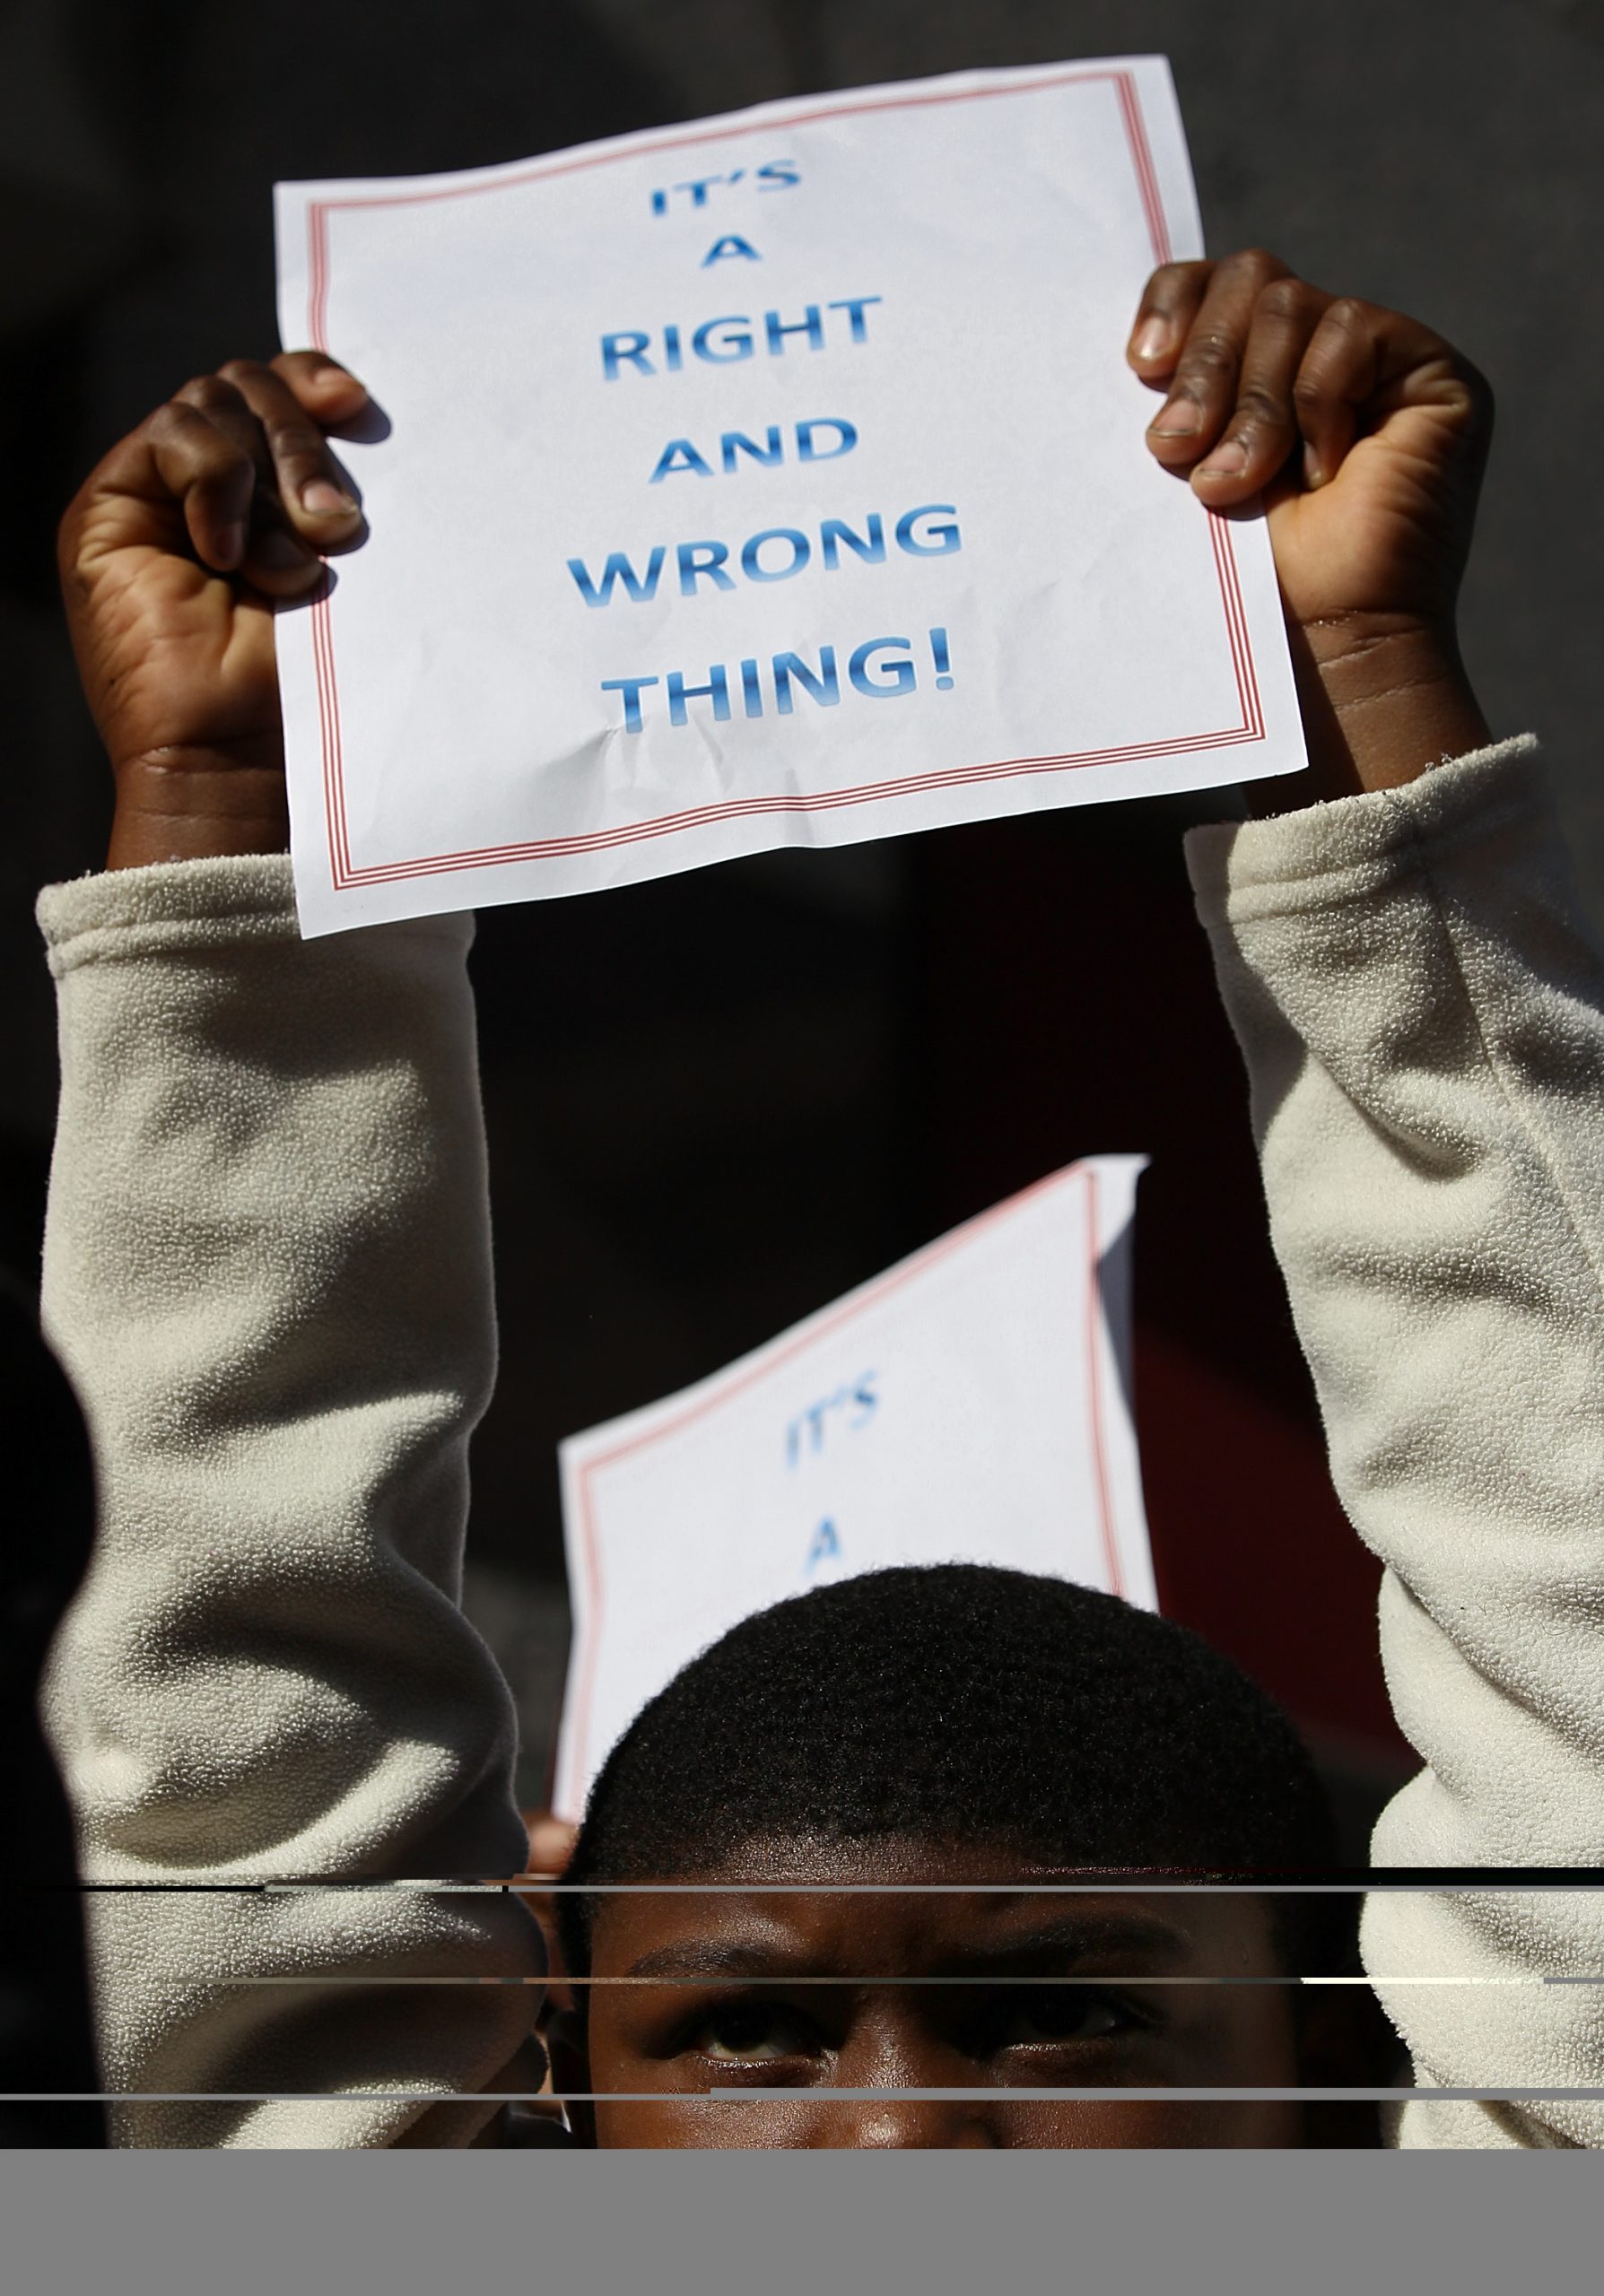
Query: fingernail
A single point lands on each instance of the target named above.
(1228, 461)
(324, 499)
(1151, 339)
(1312, 473)
(1178, 419)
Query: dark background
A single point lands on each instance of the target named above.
(717, 1101)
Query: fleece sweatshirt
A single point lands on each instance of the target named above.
(267, 1271)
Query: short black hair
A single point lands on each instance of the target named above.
(960, 1702)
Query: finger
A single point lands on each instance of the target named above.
(316, 501)
(211, 475)
(226, 411)
(275, 559)
(551, 1842)
(1170, 303)
(1203, 390)
(1365, 362)
(331, 394)
(1262, 430)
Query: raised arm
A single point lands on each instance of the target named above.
(1421, 1011)
(267, 1271)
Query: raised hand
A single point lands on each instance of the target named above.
(1367, 435)
(174, 554)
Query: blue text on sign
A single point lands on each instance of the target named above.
(726, 341)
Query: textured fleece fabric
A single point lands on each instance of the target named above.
(267, 1271)
(1422, 1013)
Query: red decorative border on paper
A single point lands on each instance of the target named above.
(589, 1640)
(347, 874)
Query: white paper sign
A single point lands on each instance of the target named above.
(971, 1404)
(774, 480)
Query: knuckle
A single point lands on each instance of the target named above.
(179, 422)
(293, 439)
(207, 392)
(1210, 359)
(1259, 408)
(1255, 263)
(1310, 393)
(241, 372)
(1289, 298)
(211, 456)
(1349, 314)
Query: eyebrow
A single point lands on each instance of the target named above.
(782, 1961)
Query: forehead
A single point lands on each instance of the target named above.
(899, 1908)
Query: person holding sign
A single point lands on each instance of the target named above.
(267, 1272)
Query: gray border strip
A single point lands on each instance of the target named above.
(715, 2221)
(535, 1885)
(1107, 2095)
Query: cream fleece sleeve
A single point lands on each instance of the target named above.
(267, 1272)
(1422, 1011)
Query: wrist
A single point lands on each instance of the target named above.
(1384, 697)
(191, 806)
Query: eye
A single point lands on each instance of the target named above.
(751, 2032)
(1052, 2016)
